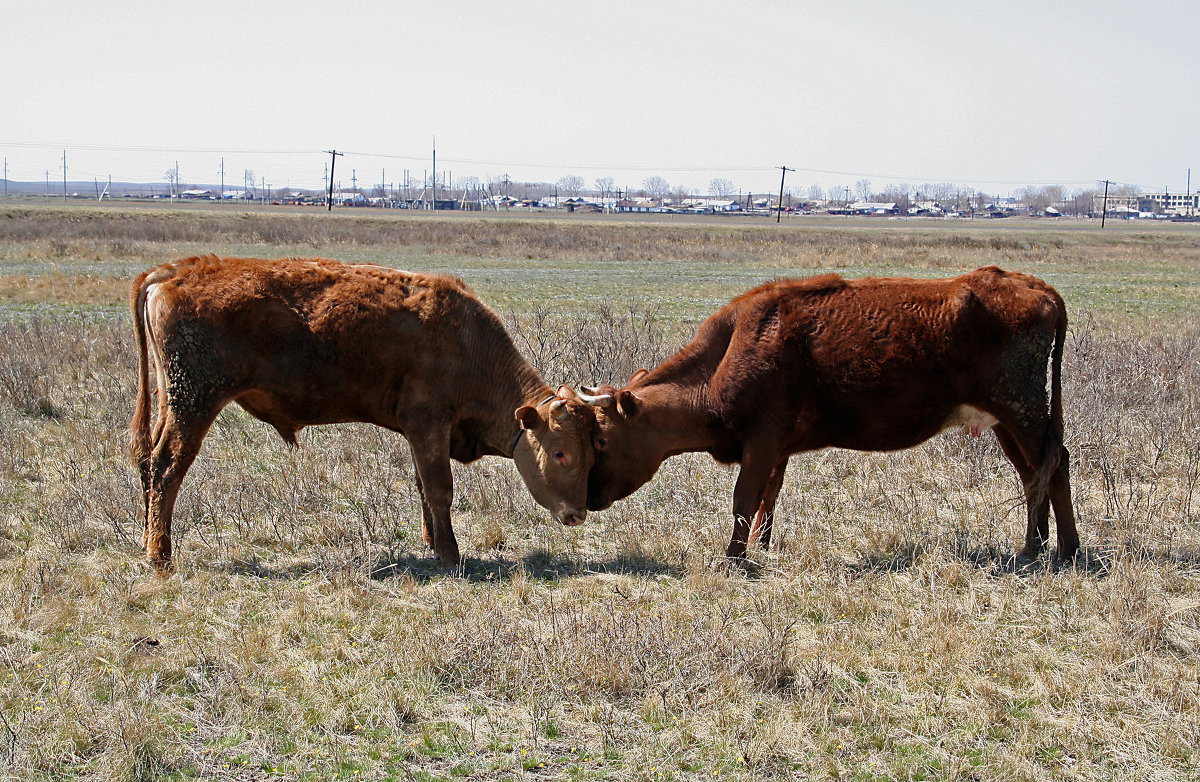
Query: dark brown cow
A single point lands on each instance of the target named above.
(304, 342)
(875, 364)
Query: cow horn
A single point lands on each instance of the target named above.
(590, 396)
(558, 409)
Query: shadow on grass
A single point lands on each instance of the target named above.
(537, 565)
(1098, 561)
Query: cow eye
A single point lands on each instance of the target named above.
(601, 442)
(558, 454)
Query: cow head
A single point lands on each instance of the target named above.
(628, 446)
(554, 454)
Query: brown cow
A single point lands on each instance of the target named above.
(875, 364)
(304, 342)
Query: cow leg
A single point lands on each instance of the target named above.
(175, 447)
(1037, 509)
(1028, 453)
(426, 517)
(748, 494)
(431, 455)
(761, 531)
(145, 466)
(1064, 511)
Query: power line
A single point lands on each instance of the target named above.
(684, 169)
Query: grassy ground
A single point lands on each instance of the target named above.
(308, 635)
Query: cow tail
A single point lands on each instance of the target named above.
(1052, 448)
(139, 427)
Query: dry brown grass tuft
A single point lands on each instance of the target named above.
(308, 635)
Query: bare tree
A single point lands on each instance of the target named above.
(862, 188)
(1082, 200)
(816, 192)
(898, 194)
(656, 186)
(940, 192)
(248, 179)
(605, 185)
(721, 188)
(172, 177)
(680, 194)
(1037, 199)
(498, 183)
(571, 185)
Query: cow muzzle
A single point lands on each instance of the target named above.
(572, 518)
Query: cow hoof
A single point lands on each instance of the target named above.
(1029, 554)
(449, 558)
(163, 568)
(737, 564)
(1071, 556)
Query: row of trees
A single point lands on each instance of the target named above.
(948, 195)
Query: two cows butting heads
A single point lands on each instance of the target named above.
(873, 365)
(304, 342)
(791, 366)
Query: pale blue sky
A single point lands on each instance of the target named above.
(990, 95)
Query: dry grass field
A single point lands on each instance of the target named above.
(889, 634)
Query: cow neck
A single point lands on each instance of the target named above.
(676, 393)
(518, 385)
(680, 413)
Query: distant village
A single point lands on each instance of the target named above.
(939, 201)
(1126, 205)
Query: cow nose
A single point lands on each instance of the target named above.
(574, 518)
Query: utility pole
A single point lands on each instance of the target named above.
(333, 156)
(1104, 209)
(782, 173)
(222, 180)
(433, 182)
(64, 176)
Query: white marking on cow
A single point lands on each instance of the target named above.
(971, 419)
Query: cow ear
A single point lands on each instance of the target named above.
(628, 404)
(529, 418)
(636, 376)
(566, 392)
